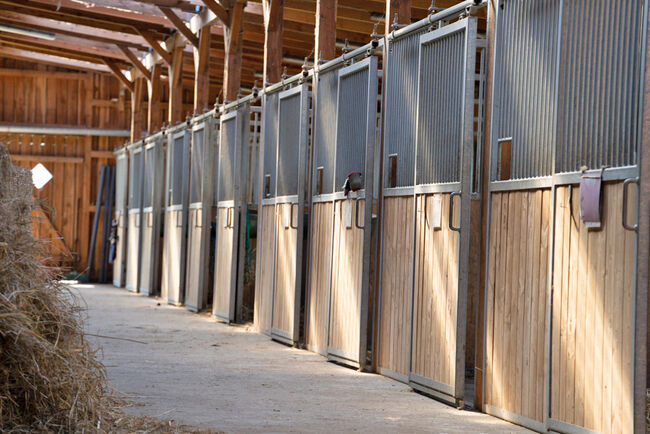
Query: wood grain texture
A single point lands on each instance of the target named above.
(396, 285)
(317, 310)
(592, 313)
(133, 252)
(223, 265)
(516, 302)
(193, 293)
(171, 265)
(284, 293)
(264, 280)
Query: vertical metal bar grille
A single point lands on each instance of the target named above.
(147, 195)
(135, 186)
(525, 79)
(440, 109)
(401, 109)
(177, 171)
(351, 126)
(253, 153)
(324, 129)
(288, 145)
(198, 154)
(120, 184)
(215, 162)
(599, 84)
(227, 159)
(270, 139)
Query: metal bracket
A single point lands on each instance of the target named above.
(626, 183)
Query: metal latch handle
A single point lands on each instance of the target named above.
(626, 183)
(356, 215)
(291, 216)
(451, 210)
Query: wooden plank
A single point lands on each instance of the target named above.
(46, 158)
(154, 106)
(133, 59)
(264, 280)
(181, 26)
(118, 73)
(155, 45)
(490, 299)
(175, 105)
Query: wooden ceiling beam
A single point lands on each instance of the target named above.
(118, 73)
(134, 60)
(71, 54)
(62, 62)
(217, 9)
(179, 25)
(155, 45)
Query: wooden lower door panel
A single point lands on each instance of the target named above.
(172, 258)
(194, 293)
(265, 272)
(345, 299)
(223, 270)
(284, 293)
(118, 262)
(133, 252)
(396, 287)
(320, 272)
(435, 296)
(517, 306)
(146, 264)
(593, 314)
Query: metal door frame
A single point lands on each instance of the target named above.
(133, 149)
(367, 194)
(450, 393)
(122, 154)
(299, 198)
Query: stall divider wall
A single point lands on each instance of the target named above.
(204, 145)
(152, 214)
(176, 197)
(121, 215)
(133, 257)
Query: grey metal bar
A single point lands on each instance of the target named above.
(68, 131)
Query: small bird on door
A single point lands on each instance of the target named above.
(353, 182)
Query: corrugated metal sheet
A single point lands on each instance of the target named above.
(599, 84)
(440, 109)
(198, 154)
(401, 86)
(270, 139)
(324, 129)
(176, 172)
(149, 161)
(227, 158)
(288, 145)
(525, 83)
(351, 126)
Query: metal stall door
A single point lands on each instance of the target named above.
(443, 166)
(135, 217)
(265, 261)
(121, 192)
(560, 289)
(231, 214)
(200, 214)
(292, 144)
(173, 269)
(152, 215)
(356, 123)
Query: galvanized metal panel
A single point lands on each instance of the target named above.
(440, 109)
(288, 145)
(599, 84)
(197, 163)
(176, 171)
(255, 138)
(269, 148)
(147, 193)
(324, 131)
(227, 158)
(135, 186)
(121, 174)
(351, 126)
(400, 94)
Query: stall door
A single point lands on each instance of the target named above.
(231, 215)
(355, 144)
(173, 269)
(442, 209)
(293, 136)
(121, 186)
(151, 216)
(265, 260)
(200, 210)
(135, 217)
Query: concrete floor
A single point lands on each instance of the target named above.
(182, 366)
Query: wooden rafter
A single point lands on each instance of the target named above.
(180, 25)
(50, 59)
(118, 73)
(133, 59)
(156, 46)
(218, 10)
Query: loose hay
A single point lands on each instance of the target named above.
(50, 379)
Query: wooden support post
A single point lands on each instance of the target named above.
(118, 73)
(202, 71)
(175, 111)
(325, 31)
(403, 10)
(137, 112)
(180, 25)
(233, 42)
(154, 112)
(272, 40)
(133, 59)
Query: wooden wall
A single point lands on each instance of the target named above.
(38, 95)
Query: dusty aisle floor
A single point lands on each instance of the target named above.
(196, 371)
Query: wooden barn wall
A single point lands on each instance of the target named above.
(39, 95)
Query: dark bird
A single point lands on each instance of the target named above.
(353, 182)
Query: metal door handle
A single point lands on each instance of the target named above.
(178, 219)
(626, 183)
(137, 220)
(198, 222)
(150, 219)
(356, 214)
(230, 212)
(291, 216)
(451, 210)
